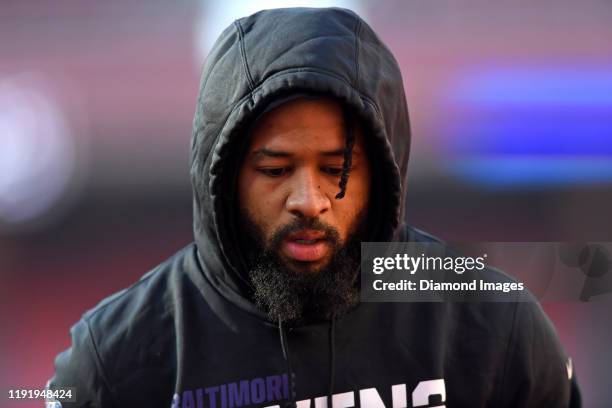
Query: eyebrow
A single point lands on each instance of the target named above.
(262, 153)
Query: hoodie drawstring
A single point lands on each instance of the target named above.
(332, 359)
(285, 347)
(332, 362)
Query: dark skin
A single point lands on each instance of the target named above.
(292, 170)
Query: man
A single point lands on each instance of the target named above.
(299, 153)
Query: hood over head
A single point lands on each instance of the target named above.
(270, 56)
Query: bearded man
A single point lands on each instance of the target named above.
(299, 153)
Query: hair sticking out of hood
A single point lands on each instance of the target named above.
(348, 152)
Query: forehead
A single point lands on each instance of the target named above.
(301, 123)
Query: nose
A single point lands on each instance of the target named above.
(306, 199)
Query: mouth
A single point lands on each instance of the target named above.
(306, 246)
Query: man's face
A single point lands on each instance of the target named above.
(289, 179)
(302, 244)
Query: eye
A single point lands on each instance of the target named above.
(274, 171)
(332, 171)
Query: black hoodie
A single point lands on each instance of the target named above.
(188, 335)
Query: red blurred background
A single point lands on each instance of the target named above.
(511, 119)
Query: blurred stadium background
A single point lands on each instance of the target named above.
(511, 109)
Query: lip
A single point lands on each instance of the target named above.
(295, 248)
(306, 235)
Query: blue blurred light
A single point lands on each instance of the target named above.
(548, 133)
(540, 128)
(547, 87)
(534, 171)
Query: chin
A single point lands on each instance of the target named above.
(306, 267)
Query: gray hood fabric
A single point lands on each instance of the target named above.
(186, 334)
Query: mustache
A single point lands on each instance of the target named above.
(299, 224)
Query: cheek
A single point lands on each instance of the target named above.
(359, 191)
(356, 201)
(257, 202)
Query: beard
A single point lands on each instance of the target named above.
(293, 294)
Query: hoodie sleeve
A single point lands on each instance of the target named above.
(537, 371)
(79, 368)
